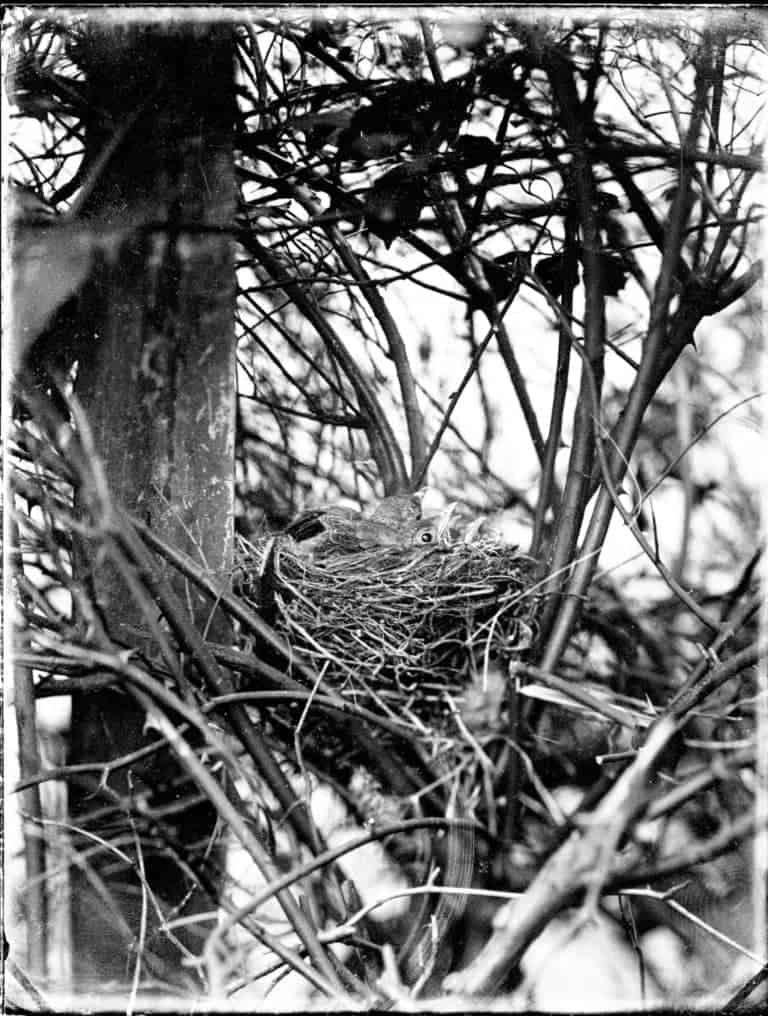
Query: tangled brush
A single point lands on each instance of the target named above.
(396, 628)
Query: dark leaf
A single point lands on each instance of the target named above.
(613, 274)
(394, 106)
(394, 202)
(553, 272)
(516, 261)
(670, 193)
(505, 273)
(404, 113)
(475, 150)
(321, 32)
(506, 78)
(607, 202)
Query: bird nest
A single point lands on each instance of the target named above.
(397, 630)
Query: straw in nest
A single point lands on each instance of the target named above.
(397, 626)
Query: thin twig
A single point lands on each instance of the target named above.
(35, 896)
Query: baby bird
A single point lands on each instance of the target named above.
(432, 531)
(419, 533)
(322, 521)
(322, 530)
(426, 533)
(338, 530)
(398, 510)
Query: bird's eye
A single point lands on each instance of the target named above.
(426, 537)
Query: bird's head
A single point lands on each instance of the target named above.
(399, 510)
(435, 530)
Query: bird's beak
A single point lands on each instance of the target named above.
(444, 523)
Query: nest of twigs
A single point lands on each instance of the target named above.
(396, 629)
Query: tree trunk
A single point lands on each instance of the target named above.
(157, 387)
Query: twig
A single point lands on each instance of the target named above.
(547, 485)
(233, 604)
(661, 350)
(35, 896)
(396, 345)
(712, 932)
(41, 1001)
(736, 1001)
(455, 396)
(702, 432)
(384, 446)
(630, 520)
(141, 941)
(632, 874)
(579, 173)
(719, 769)
(475, 277)
(278, 884)
(709, 677)
(519, 384)
(760, 853)
(623, 717)
(237, 715)
(581, 865)
(234, 818)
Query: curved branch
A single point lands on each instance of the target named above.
(384, 447)
(413, 415)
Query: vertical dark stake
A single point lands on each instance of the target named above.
(158, 389)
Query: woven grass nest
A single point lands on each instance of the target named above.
(395, 629)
